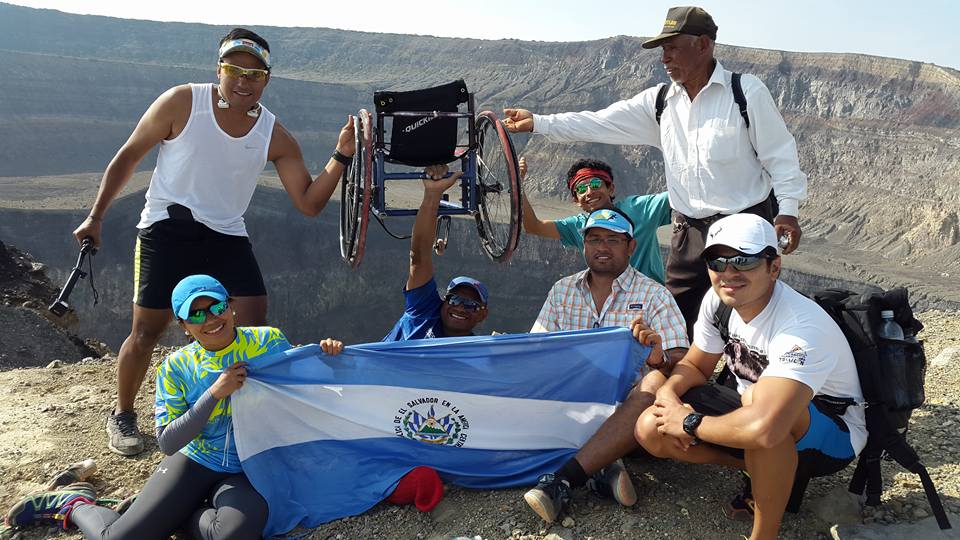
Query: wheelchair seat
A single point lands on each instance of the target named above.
(419, 141)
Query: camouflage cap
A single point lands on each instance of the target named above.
(690, 20)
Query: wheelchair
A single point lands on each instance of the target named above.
(425, 127)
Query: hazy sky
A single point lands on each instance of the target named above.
(924, 30)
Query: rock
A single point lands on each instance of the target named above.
(925, 529)
(946, 357)
(838, 506)
(568, 522)
(553, 536)
(55, 364)
(896, 506)
(919, 513)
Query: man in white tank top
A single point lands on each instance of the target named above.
(215, 140)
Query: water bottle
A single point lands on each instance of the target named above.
(889, 329)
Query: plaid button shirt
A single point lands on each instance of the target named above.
(569, 306)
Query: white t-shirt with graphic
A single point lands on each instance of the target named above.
(792, 338)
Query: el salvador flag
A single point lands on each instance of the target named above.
(324, 437)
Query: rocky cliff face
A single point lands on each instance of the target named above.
(878, 137)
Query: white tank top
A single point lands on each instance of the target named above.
(208, 171)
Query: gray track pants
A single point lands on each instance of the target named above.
(181, 495)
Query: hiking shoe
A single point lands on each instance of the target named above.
(741, 508)
(614, 481)
(549, 498)
(50, 507)
(124, 435)
(77, 472)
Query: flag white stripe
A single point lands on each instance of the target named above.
(270, 416)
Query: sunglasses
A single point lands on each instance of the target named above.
(198, 316)
(236, 72)
(468, 304)
(740, 263)
(593, 183)
(611, 241)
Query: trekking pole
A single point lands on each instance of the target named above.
(60, 306)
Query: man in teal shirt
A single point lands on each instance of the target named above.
(591, 184)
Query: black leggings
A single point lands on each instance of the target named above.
(181, 494)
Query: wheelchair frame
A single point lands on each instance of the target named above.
(363, 183)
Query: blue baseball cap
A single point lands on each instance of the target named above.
(464, 280)
(610, 220)
(192, 287)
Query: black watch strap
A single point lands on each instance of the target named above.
(342, 159)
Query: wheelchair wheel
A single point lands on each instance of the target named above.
(355, 185)
(498, 186)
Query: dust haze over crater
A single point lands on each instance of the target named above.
(878, 138)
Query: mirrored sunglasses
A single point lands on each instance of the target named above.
(468, 304)
(740, 263)
(593, 183)
(198, 316)
(231, 70)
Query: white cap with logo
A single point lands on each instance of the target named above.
(747, 233)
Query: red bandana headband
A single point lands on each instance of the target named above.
(587, 174)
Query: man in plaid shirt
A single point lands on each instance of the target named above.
(610, 293)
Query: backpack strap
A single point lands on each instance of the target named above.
(738, 97)
(661, 101)
(721, 321)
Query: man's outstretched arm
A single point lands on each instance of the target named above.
(531, 223)
(425, 226)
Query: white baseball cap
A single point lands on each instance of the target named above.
(747, 233)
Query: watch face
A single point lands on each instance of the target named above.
(691, 422)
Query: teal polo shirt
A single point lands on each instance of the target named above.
(647, 213)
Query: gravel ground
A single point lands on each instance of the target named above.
(50, 417)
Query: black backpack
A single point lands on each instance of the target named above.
(891, 376)
(738, 97)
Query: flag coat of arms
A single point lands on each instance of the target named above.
(324, 437)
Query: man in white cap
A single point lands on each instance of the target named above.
(215, 140)
(726, 149)
(609, 293)
(798, 404)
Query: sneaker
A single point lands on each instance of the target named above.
(77, 472)
(50, 507)
(124, 435)
(614, 481)
(549, 498)
(741, 508)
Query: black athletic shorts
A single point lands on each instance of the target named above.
(173, 249)
(824, 449)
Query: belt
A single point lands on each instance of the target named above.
(680, 220)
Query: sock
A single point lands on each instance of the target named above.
(573, 473)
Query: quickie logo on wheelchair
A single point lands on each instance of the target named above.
(417, 124)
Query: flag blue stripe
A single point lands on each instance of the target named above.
(491, 365)
(326, 487)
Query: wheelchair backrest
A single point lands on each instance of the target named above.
(419, 141)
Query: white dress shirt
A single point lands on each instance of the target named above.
(713, 165)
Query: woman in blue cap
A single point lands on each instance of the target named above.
(199, 487)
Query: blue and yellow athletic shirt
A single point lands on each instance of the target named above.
(186, 374)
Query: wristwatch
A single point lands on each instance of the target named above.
(690, 425)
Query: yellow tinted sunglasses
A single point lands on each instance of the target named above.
(231, 70)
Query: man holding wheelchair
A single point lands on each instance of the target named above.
(427, 314)
(215, 140)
